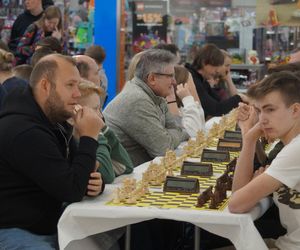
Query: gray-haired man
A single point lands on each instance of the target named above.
(139, 114)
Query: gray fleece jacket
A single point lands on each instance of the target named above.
(142, 122)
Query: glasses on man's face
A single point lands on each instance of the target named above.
(164, 74)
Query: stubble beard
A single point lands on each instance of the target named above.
(54, 108)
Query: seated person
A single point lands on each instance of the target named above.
(41, 167)
(182, 103)
(207, 65)
(7, 78)
(277, 99)
(139, 114)
(112, 158)
(223, 84)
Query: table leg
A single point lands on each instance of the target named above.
(127, 237)
(197, 238)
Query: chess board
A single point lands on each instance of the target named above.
(167, 200)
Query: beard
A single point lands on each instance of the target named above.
(54, 108)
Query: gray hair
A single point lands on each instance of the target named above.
(153, 60)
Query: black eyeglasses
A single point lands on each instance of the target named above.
(164, 74)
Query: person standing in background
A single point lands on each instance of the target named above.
(33, 12)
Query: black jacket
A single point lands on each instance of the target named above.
(40, 165)
(19, 27)
(210, 101)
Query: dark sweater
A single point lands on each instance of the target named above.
(19, 27)
(210, 101)
(40, 165)
(14, 82)
(2, 95)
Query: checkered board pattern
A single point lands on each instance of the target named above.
(169, 200)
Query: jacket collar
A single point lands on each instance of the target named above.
(156, 99)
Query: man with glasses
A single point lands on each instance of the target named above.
(139, 114)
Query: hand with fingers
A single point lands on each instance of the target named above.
(94, 187)
(56, 33)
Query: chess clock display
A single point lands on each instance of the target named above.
(181, 185)
(196, 168)
(229, 145)
(233, 135)
(215, 156)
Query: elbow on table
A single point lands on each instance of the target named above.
(237, 207)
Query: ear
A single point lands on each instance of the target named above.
(296, 110)
(45, 86)
(151, 79)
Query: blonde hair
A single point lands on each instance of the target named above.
(132, 65)
(88, 88)
(6, 60)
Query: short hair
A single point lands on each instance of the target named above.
(83, 68)
(47, 68)
(6, 60)
(23, 71)
(39, 54)
(50, 42)
(153, 60)
(87, 88)
(292, 67)
(96, 52)
(209, 54)
(168, 46)
(285, 82)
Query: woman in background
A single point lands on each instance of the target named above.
(50, 24)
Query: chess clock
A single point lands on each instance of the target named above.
(181, 185)
(229, 145)
(215, 156)
(196, 168)
(233, 135)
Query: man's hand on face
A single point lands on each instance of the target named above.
(247, 117)
(94, 187)
(87, 122)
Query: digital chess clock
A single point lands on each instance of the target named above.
(181, 185)
(233, 135)
(215, 155)
(229, 145)
(196, 168)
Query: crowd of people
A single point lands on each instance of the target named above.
(57, 145)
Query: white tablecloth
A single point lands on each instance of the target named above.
(92, 216)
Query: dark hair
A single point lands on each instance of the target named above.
(39, 54)
(83, 68)
(292, 67)
(181, 76)
(23, 71)
(209, 54)
(47, 68)
(285, 82)
(50, 42)
(169, 47)
(96, 52)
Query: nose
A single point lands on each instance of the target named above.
(173, 81)
(76, 93)
(262, 118)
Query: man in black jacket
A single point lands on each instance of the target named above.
(207, 65)
(33, 12)
(40, 165)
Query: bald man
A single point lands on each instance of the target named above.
(41, 167)
(88, 68)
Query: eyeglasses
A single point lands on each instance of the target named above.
(164, 74)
